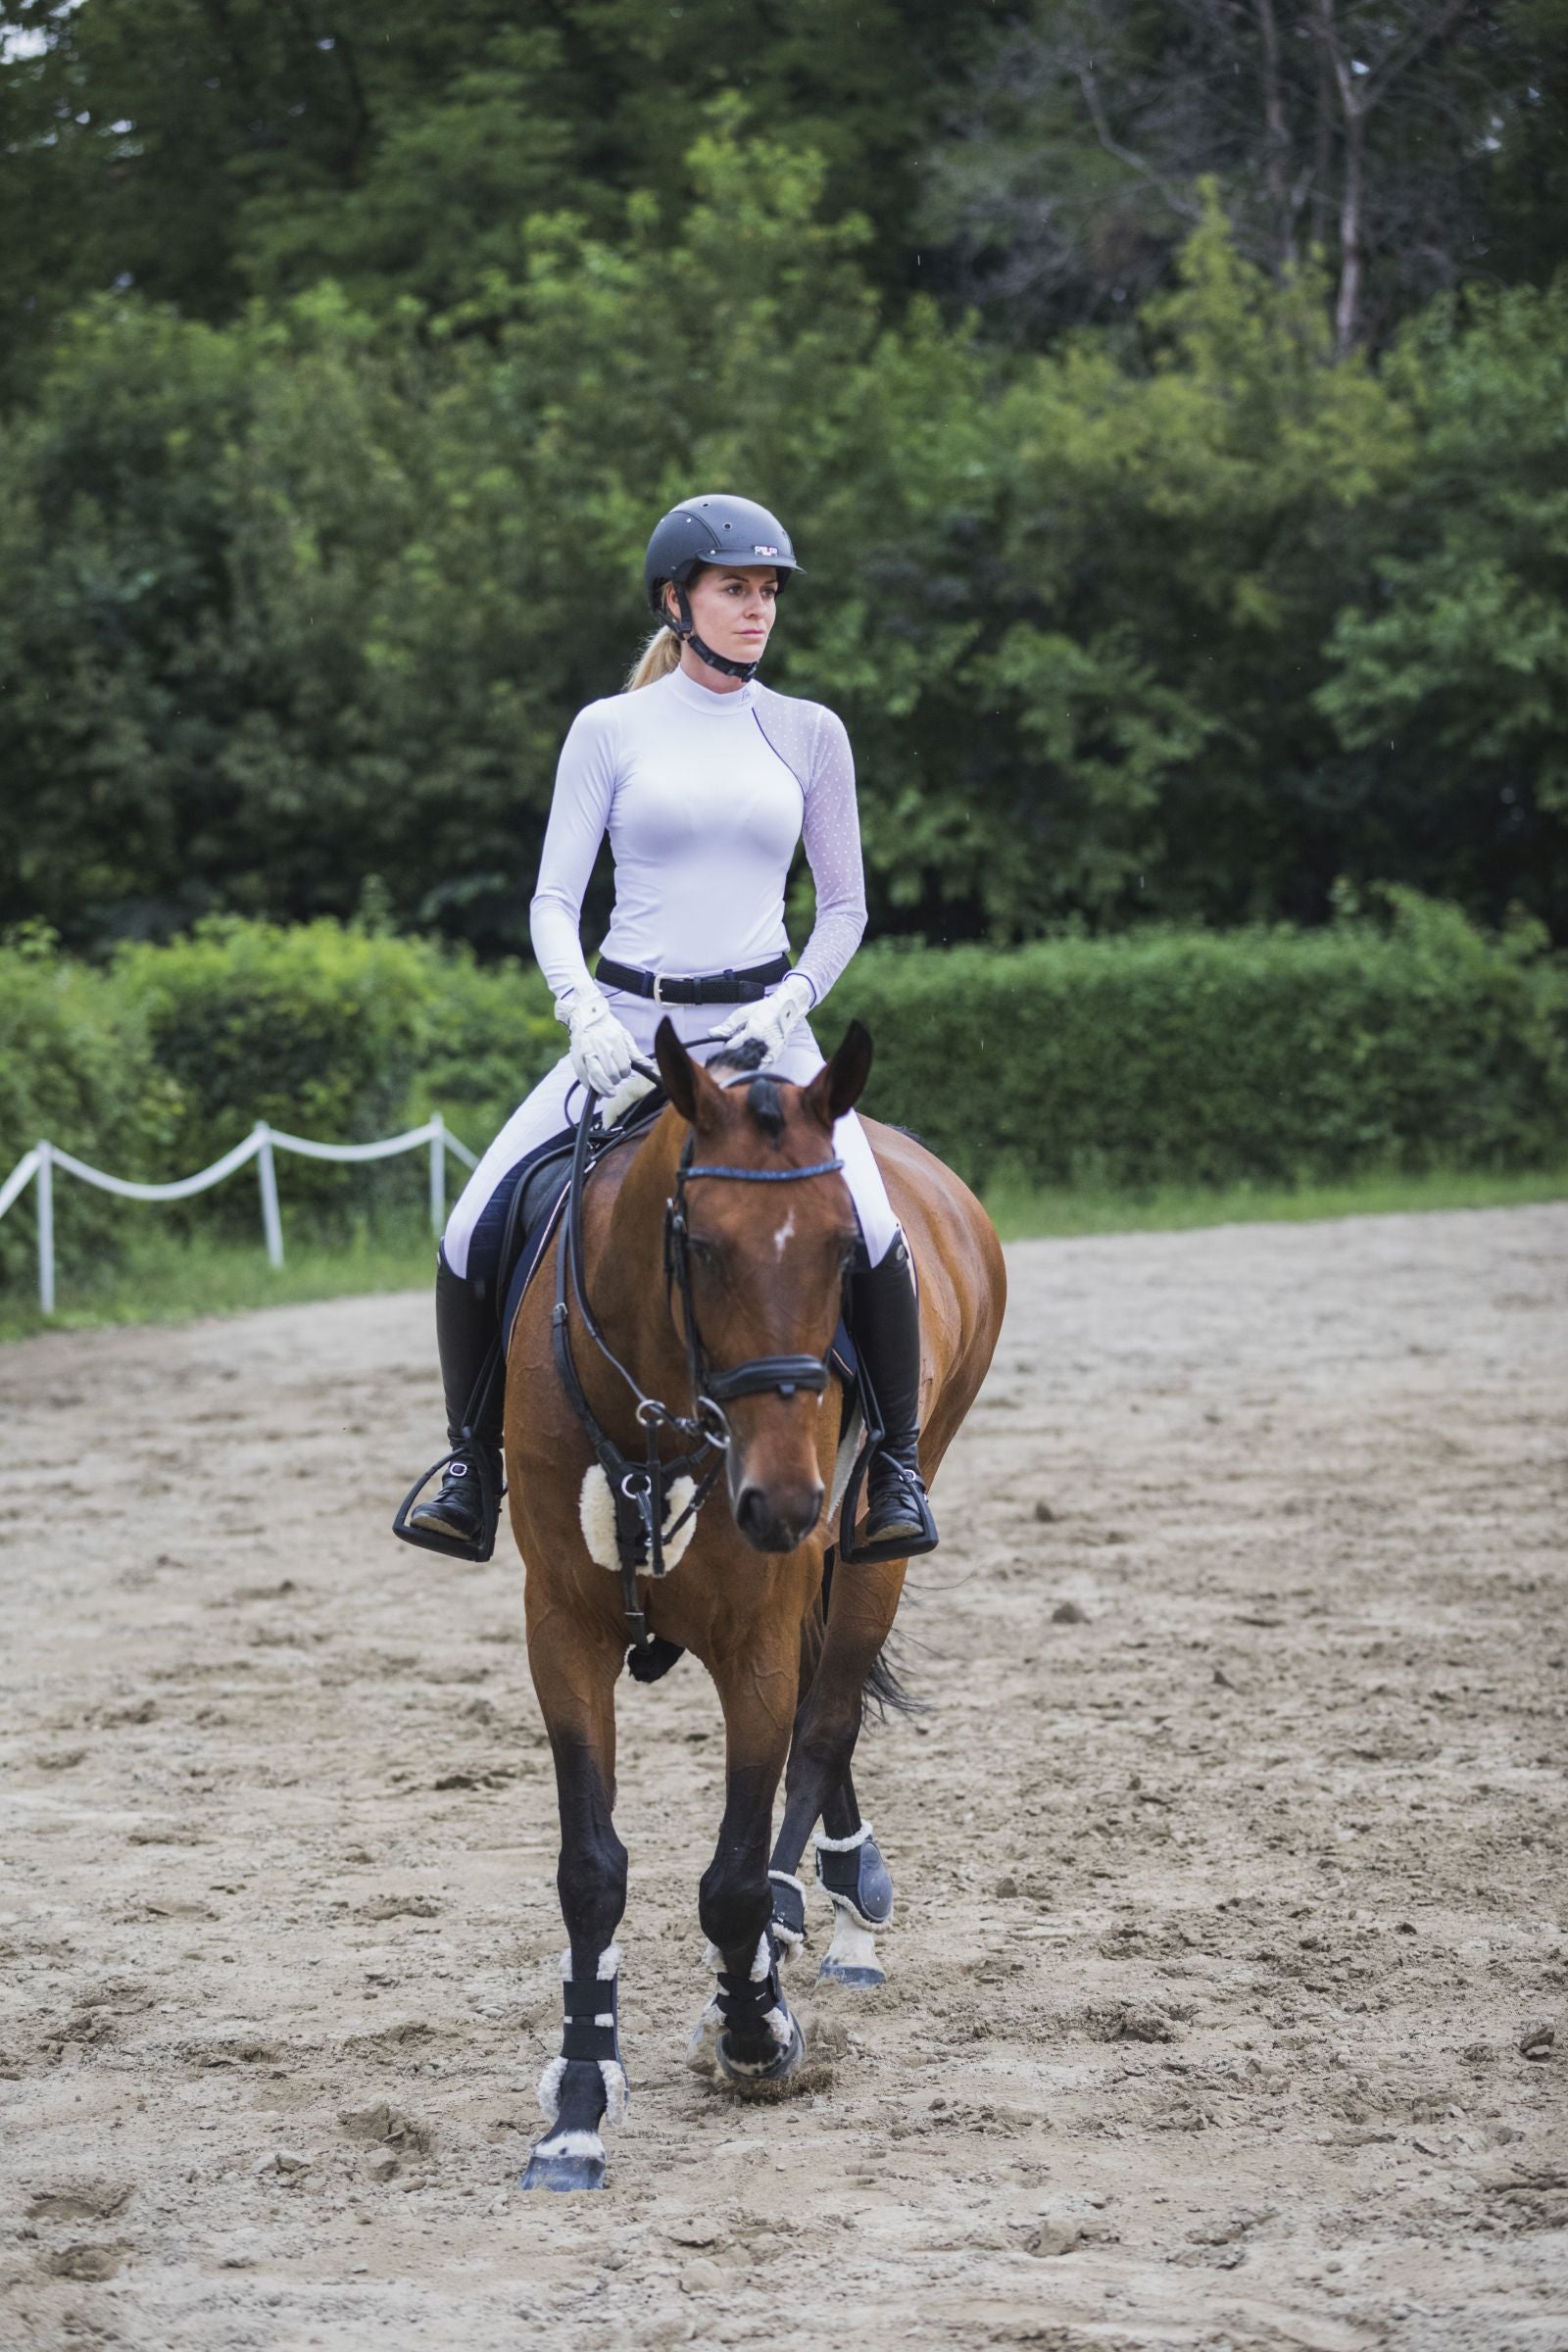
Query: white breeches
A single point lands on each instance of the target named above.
(546, 1112)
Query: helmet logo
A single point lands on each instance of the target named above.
(766, 551)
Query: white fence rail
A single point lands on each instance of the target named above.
(260, 1145)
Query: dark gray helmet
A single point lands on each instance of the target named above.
(713, 530)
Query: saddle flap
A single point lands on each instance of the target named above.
(540, 1186)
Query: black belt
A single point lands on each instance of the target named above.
(713, 987)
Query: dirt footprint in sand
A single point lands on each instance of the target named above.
(79, 2201)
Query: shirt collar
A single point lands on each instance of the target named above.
(702, 698)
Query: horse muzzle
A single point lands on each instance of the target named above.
(776, 1516)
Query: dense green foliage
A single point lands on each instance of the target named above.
(1405, 1042)
(1264, 1056)
(297, 603)
(159, 1065)
(76, 1068)
(1038, 156)
(1210, 556)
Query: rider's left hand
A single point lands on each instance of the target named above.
(771, 1022)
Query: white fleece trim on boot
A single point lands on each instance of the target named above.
(607, 1969)
(792, 1938)
(609, 1965)
(549, 2082)
(776, 2019)
(596, 1515)
(616, 2091)
(842, 1845)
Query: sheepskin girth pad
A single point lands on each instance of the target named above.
(596, 1512)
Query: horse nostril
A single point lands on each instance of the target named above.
(771, 1528)
(753, 1517)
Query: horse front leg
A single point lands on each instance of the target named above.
(862, 1604)
(749, 2029)
(574, 1674)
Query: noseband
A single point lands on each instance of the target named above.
(637, 1488)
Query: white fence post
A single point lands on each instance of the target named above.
(438, 1174)
(46, 1228)
(266, 1173)
(262, 1144)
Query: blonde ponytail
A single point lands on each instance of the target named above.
(659, 656)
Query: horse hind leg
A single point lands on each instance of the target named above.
(818, 1786)
(854, 1876)
(788, 1923)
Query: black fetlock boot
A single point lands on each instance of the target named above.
(461, 1520)
(885, 1319)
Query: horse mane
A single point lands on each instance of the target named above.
(763, 1098)
(762, 1101)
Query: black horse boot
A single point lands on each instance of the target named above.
(461, 1520)
(885, 1319)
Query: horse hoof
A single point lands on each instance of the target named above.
(757, 2078)
(566, 2171)
(846, 1972)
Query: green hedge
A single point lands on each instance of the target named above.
(336, 1033)
(1269, 1054)
(156, 1066)
(75, 1066)
(1191, 1058)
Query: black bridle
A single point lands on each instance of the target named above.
(637, 1488)
(784, 1374)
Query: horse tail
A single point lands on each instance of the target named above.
(883, 1690)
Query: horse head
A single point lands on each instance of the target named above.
(762, 1234)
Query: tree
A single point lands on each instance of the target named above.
(1387, 134)
(204, 150)
(1453, 674)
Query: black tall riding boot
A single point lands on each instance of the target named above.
(885, 1319)
(462, 1519)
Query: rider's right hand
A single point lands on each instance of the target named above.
(601, 1048)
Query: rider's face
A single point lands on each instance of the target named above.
(733, 610)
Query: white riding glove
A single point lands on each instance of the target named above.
(771, 1022)
(601, 1048)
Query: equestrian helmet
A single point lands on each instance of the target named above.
(736, 531)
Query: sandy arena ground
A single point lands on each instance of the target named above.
(1227, 1996)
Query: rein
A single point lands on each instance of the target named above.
(637, 1488)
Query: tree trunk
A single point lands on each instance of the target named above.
(1347, 307)
(1277, 140)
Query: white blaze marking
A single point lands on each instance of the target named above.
(783, 1234)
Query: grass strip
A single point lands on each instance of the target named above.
(1026, 1212)
(165, 1278)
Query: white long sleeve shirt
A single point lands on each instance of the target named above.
(704, 796)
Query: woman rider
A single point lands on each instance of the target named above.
(705, 781)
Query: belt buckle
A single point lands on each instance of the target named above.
(659, 988)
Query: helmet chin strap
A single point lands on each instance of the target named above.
(685, 629)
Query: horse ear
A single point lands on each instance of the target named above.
(839, 1083)
(686, 1082)
(676, 1069)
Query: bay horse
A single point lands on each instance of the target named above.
(733, 1286)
